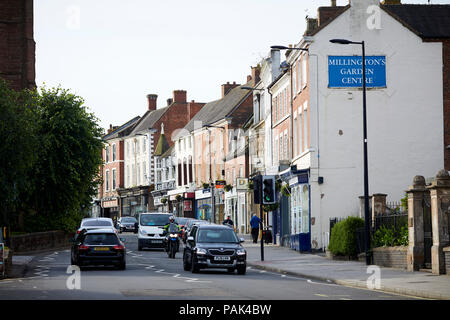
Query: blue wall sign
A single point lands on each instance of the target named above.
(346, 71)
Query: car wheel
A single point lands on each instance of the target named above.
(194, 266)
(186, 265)
(242, 270)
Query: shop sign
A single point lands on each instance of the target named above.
(220, 184)
(346, 71)
(242, 184)
(110, 203)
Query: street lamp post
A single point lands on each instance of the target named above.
(366, 174)
(213, 200)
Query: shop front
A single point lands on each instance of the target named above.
(189, 205)
(110, 207)
(300, 215)
(203, 205)
(135, 201)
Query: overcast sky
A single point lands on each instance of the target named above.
(114, 52)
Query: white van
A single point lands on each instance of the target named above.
(150, 233)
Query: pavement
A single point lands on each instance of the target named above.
(348, 273)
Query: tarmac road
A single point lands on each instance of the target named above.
(150, 274)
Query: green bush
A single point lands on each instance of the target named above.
(391, 236)
(343, 237)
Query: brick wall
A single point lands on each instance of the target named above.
(40, 241)
(17, 46)
(392, 257)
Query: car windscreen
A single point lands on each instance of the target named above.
(96, 223)
(106, 239)
(154, 219)
(128, 220)
(217, 235)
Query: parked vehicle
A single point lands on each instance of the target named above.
(151, 232)
(189, 225)
(214, 246)
(127, 224)
(183, 222)
(96, 223)
(98, 247)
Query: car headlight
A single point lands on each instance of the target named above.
(201, 251)
(142, 232)
(173, 235)
(240, 252)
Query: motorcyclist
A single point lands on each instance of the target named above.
(172, 227)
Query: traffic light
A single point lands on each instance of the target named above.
(268, 191)
(257, 181)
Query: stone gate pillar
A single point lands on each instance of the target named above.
(440, 199)
(378, 205)
(416, 248)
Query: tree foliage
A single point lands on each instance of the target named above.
(69, 158)
(50, 159)
(17, 149)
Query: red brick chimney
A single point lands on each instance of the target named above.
(324, 14)
(179, 96)
(228, 86)
(192, 108)
(255, 74)
(152, 101)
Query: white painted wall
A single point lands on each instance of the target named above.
(405, 120)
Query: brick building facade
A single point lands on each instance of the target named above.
(17, 46)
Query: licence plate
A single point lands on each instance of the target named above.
(156, 241)
(222, 258)
(101, 249)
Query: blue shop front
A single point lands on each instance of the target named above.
(298, 213)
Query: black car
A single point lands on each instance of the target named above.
(214, 246)
(127, 224)
(98, 247)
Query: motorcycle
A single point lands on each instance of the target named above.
(172, 244)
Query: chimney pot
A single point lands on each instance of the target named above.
(169, 101)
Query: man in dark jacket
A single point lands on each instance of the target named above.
(254, 224)
(228, 222)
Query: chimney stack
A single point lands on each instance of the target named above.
(255, 74)
(227, 87)
(152, 101)
(179, 96)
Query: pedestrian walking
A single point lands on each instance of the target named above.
(254, 224)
